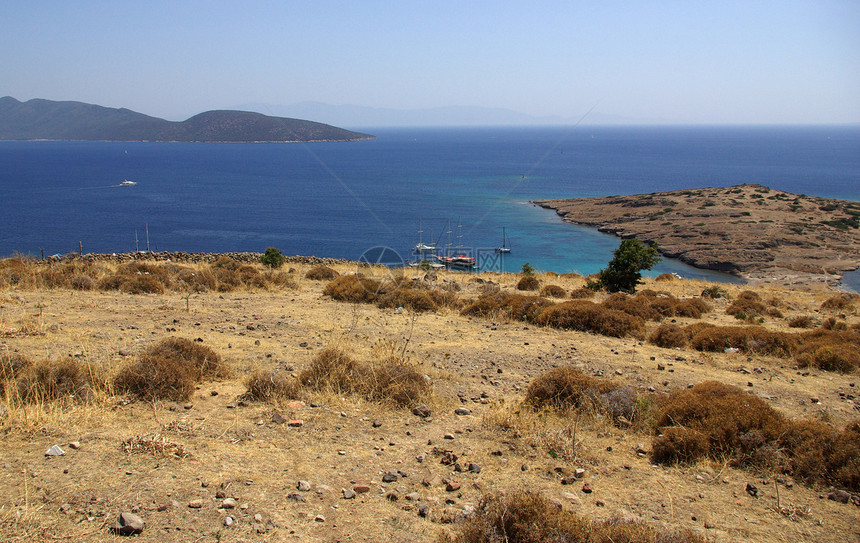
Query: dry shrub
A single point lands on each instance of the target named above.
(82, 282)
(17, 272)
(654, 306)
(154, 444)
(142, 284)
(517, 307)
(693, 308)
(581, 293)
(410, 298)
(333, 371)
(279, 280)
(12, 364)
(526, 517)
(820, 454)
(553, 291)
(841, 301)
(736, 424)
(669, 336)
(801, 321)
(586, 316)
(353, 288)
(829, 350)
(665, 277)
(196, 280)
(170, 370)
(322, 273)
(271, 386)
(830, 323)
(48, 380)
(446, 298)
(638, 306)
(747, 303)
(529, 282)
(566, 387)
(748, 339)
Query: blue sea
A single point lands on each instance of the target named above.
(345, 199)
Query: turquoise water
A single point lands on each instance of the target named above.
(342, 199)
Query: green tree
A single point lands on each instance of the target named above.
(273, 258)
(528, 270)
(623, 272)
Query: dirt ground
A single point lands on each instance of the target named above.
(224, 448)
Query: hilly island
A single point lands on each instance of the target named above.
(39, 119)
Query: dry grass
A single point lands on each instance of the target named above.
(840, 302)
(156, 445)
(553, 291)
(586, 316)
(271, 386)
(529, 282)
(528, 517)
(354, 289)
(322, 273)
(67, 379)
(566, 388)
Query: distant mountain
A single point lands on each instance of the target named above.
(362, 116)
(39, 119)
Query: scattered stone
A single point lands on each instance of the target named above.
(128, 524)
(303, 486)
(752, 490)
(586, 488)
(431, 480)
(361, 489)
(348, 494)
(390, 477)
(277, 418)
(524, 467)
(377, 424)
(392, 496)
(568, 480)
(413, 497)
(423, 511)
(579, 473)
(421, 411)
(448, 458)
(296, 423)
(195, 504)
(295, 496)
(462, 411)
(474, 468)
(75, 445)
(228, 521)
(229, 503)
(452, 486)
(55, 451)
(258, 517)
(448, 436)
(319, 518)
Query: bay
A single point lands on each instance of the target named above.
(344, 199)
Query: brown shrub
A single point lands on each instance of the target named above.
(693, 308)
(801, 321)
(748, 339)
(737, 425)
(553, 291)
(586, 316)
(322, 273)
(333, 371)
(669, 336)
(581, 293)
(271, 386)
(196, 280)
(829, 350)
(17, 272)
(566, 387)
(47, 380)
(353, 288)
(502, 304)
(82, 282)
(170, 370)
(819, 454)
(830, 323)
(679, 445)
(274, 279)
(529, 282)
(526, 517)
(638, 306)
(12, 364)
(665, 277)
(141, 284)
(746, 304)
(844, 300)
(415, 300)
(445, 298)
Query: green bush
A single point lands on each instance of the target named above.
(624, 271)
(273, 258)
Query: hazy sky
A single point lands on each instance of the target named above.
(686, 61)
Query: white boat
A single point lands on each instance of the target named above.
(128, 183)
(422, 247)
(504, 248)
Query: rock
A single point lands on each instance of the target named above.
(303, 486)
(423, 511)
(229, 503)
(295, 423)
(295, 496)
(128, 524)
(474, 468)
(462, 411)
(839, 496)
(348, 494)
(75, 445)
(361, 489)
(448, 436)
(568, 480)
(228, 521)
(195, 504)
(295, 405)
(586, 488)
(421, 411)
(55, 451)
(376, 424)
(319, 518)
(452, 486)
(579, 473)
(752, 490)
(390, 477)
(448, 458)
(431, 481)
(277, 418)
(413, 497)
(392, 496)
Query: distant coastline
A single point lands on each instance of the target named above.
(748, 230)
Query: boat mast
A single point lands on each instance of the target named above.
(147, 237)
(136, 242)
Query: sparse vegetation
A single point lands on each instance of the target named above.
(624, 271)
(272, 258)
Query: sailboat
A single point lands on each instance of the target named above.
(504, 248)
(422, 247)
(458, 260)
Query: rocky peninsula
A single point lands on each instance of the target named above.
(748, 230)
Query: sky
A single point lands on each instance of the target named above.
(685, 62)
